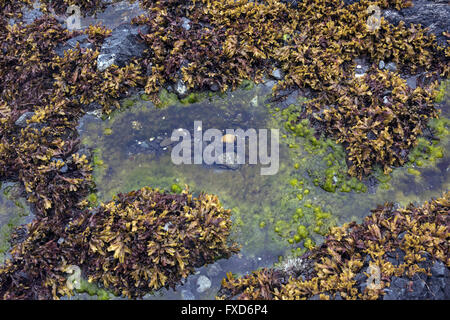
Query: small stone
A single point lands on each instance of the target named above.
(166, 142)
(186, 23)
(381, 64)
(136, 125)
(143, 144)
(203, 284)
(228, 138)
(391, 66)
(104, 61)
(22, 121)
(254, 101)
(181, 88)
(277, 74)
(214, 87)
(228, 160)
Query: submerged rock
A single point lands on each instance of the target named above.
(228, 160)
(203, 284)
(121, 46)
(187, 295)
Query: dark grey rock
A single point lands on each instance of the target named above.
(22, 121)
(420, 286)
(438, 269)
(123, 44)
(83, 40)
(432, 14)
(214, 87)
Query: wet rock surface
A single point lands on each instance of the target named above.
(434, 15)
(121, 46)
(418, 287)
(82, 40)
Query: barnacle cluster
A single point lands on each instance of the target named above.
(412, 230)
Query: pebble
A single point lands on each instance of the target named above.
(391, 66)
(166, 142)
(22, 121)
(186, 23)
(228, 138)
(277, 74)
(203, 284)
(181, 88)
(104, 61)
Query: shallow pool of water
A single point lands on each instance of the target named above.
(132, 150)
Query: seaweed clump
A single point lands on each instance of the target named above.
(217, 44)
(145, 240)
(137, 243)
(331, 270)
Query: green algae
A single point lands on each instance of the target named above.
(281, 215)
(443, 91)
(13, 212)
